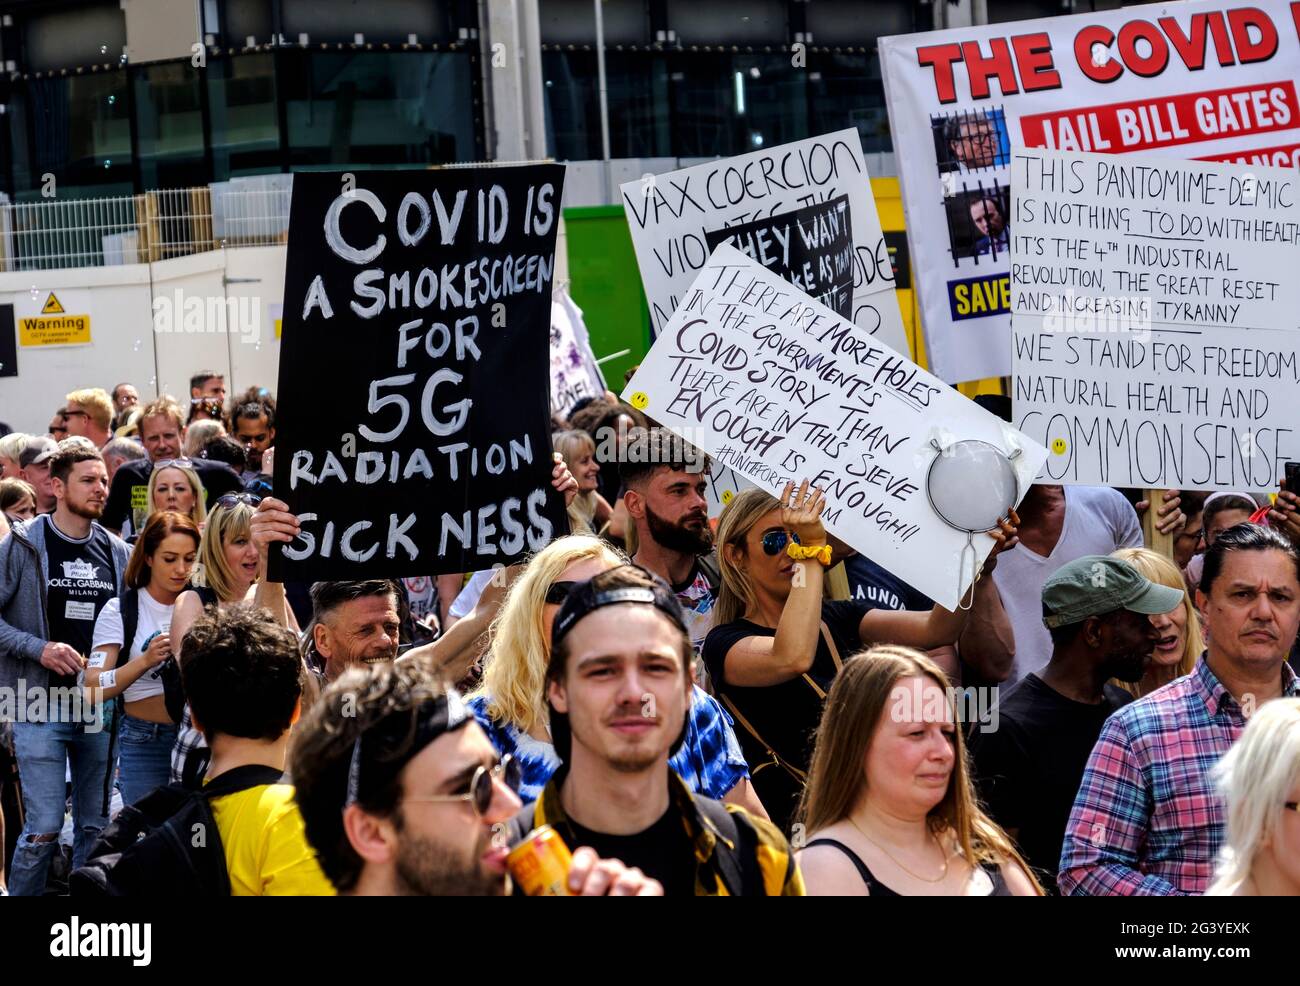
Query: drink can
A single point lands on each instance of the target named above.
(540, 864)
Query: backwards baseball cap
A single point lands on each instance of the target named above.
(624, 585)
(1098, 584)
(586, 597)
(38, 450)
(438, 715)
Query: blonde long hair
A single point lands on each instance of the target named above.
(224, 525)
(514, 673)
(859, 699)
(198, 513)
(1162, 571)
(736, 595)
(1255, 777)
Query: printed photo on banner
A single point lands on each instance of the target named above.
(780, 388)
(1207, 80)
(424, 299)
(758, 199)
(1156, 317)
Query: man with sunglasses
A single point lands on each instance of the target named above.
(162, 432)
(243, 680)
(252, 423)
(402, 793)
(619, 687)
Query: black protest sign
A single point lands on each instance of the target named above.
(812, 248)
(414, 427)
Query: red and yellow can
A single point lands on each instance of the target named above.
(540, 864)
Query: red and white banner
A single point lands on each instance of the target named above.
(1205, 80)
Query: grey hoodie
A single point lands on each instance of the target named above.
(24, 574)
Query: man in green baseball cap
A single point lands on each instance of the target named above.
(1097, 610)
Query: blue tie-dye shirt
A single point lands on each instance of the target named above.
(709, 761)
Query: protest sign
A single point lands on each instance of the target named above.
(672, 217)
(812, 248)
(779, 388)
(414, 408)
(1155, 307)
(574, 373)
(1205, 79)
(1106, 242)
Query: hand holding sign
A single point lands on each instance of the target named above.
(801, 514)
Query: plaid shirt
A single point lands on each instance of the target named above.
(772, 857)
(188, 742)
(1147, 820)
(709, 761)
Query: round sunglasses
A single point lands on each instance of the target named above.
(480, 786)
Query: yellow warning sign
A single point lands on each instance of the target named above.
(52, 306)
(59, 330)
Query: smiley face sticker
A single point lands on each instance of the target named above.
(640, 400)
(1059, 446)
(727, 497)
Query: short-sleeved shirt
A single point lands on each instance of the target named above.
(130, 488)
(422, 595)
(1029, 763)
(155, 617)
(266, 847)
(697, 599)
(1098, 520)
(785, 715)
(82, 580)
(868, 582)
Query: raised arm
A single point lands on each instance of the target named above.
(939, 626)
(759, 661)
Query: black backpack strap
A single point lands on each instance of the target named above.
(241, 779)
(130, 605)
(737, 866)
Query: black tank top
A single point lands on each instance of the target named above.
(878, 889)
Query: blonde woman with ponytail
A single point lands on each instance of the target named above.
(889, 810)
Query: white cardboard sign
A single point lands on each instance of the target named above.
(780, 388)
(672, 215)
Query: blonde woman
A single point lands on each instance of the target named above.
(511, 703)
(174, 485)
(889, 810)
(1181, 642)
(1259, 778)
(11, 448)
(776, 643)
(579, 452)
(229, 572)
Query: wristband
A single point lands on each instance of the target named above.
(799, 553)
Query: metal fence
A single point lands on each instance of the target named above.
(133, 229)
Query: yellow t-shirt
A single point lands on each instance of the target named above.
(267, 852)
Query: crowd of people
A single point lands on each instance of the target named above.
(695, 705)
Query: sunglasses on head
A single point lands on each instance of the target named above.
(231, 499)
(177, 463)
(480, 786)
(558, 592)
(774, 542)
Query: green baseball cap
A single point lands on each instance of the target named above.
(1098, 584)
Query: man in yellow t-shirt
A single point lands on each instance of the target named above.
(243, 679)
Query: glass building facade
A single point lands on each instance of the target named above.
(685, 80)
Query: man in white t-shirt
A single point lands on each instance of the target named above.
(1057, 525)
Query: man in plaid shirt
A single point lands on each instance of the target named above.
(1147, 820)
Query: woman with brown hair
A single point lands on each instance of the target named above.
(132, 638)
(776, 642)
(889, 810)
